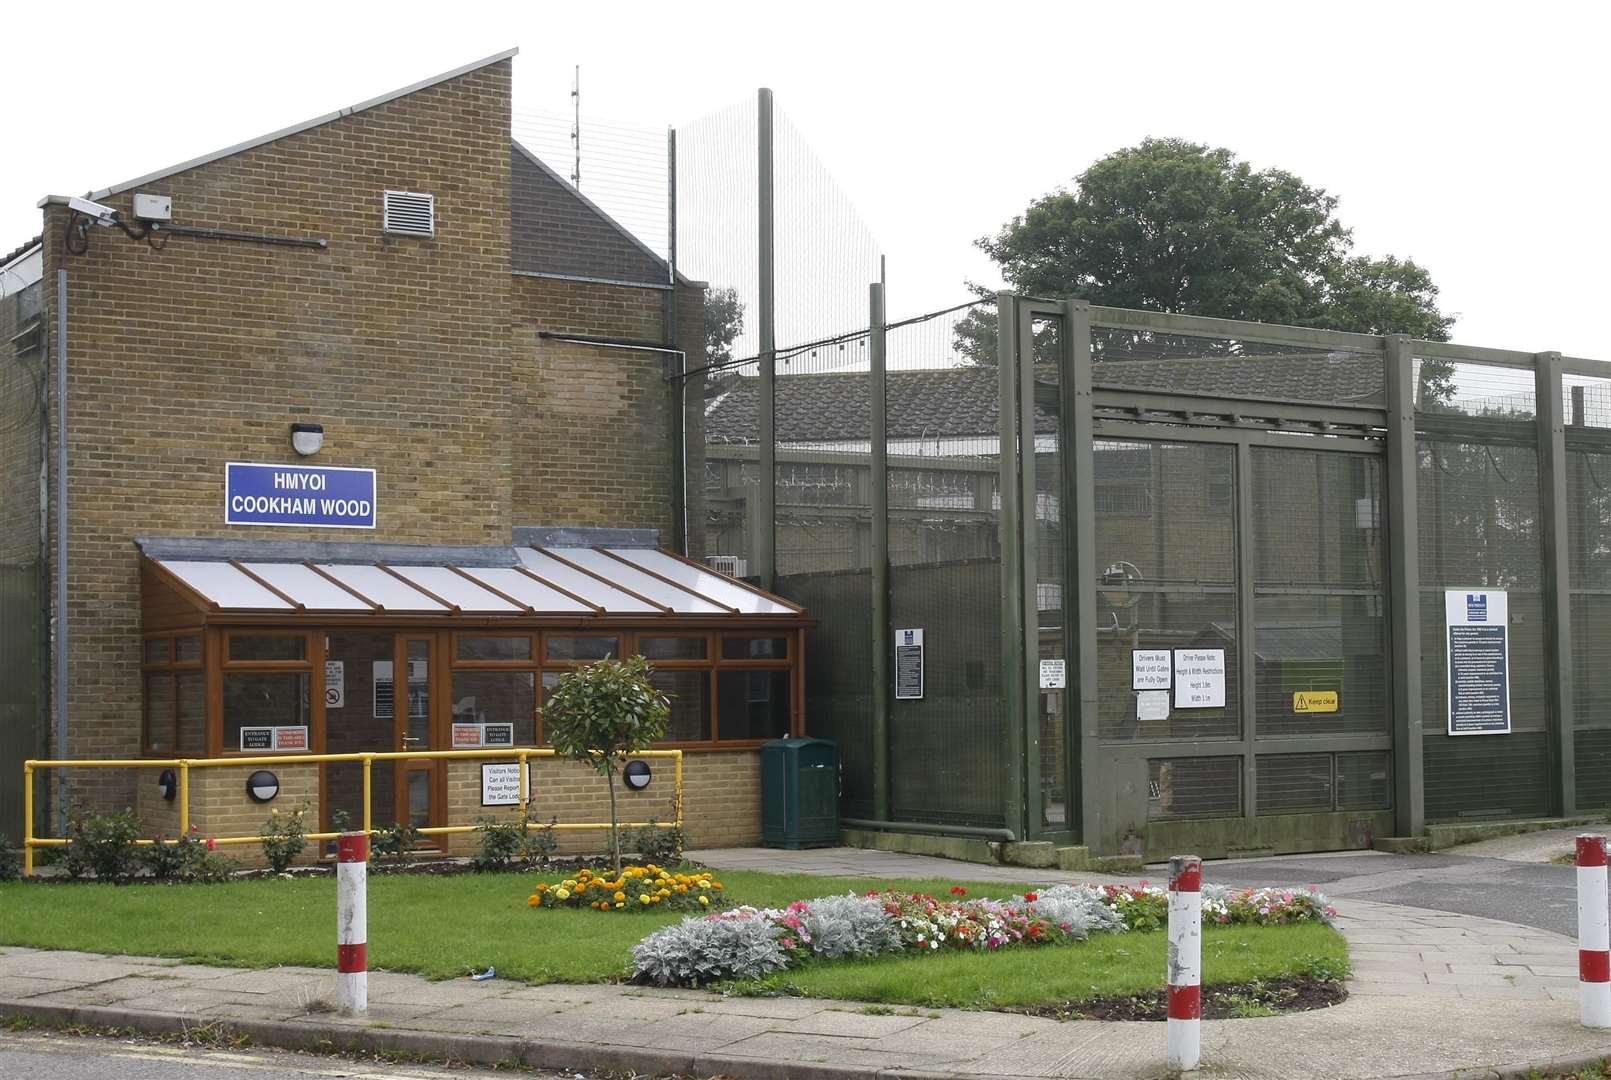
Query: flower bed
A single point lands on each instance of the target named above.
(637, 888)
(748, 942)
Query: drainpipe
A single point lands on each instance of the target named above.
(59, 750)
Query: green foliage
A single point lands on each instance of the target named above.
(601, 713)
(284, 837)
(185, 859)
(512, 844)
(10, 860)
(1178, 227)
(393, 843)
(724, 321)
(102, 844)
(657, 843)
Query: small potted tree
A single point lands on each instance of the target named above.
(602, 714)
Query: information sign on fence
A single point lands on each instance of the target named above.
(1479, 661)
(908, 665)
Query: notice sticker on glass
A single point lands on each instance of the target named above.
(1152, 705)
(1149, 669)
(1199, 678)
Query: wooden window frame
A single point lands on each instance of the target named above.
(312, 665)
(172, 668)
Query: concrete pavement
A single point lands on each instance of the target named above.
(1434, 993)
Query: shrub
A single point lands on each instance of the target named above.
(185, 859)
(1078, 910)
(698, 951)
(284, 837)
(102, 844)
(636, 888)
(1266, 907)
(657, 843)
(10, 860)
(393, 843)
(849, 925)
(507, 845)
(601, 713)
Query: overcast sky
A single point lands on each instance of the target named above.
(1468, 136)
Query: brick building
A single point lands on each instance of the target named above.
(455, 317)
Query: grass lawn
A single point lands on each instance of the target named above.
(444, 927)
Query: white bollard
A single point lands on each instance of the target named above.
(1185, 962)
(1593, 934)
(352, 922)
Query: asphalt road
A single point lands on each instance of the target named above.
(1534, 894)
(36, 1055)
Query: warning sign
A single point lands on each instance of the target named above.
(1315, 701)
(335, 684)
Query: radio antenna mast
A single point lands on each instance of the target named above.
(576, 127)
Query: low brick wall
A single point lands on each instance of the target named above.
(219, 805)
(721, 790)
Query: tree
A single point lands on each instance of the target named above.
(724, 321)
(1176, 227)
(601, 714)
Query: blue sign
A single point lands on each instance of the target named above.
(1476, 607)
(1478, 661)
(308, 496)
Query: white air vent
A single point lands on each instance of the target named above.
(731, 565)
(410, 213)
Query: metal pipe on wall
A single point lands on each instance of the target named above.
(59, 641)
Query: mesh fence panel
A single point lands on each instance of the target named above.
(1479, 529)
(1294, 783)
(943, 442)
(839, 675)
(1459, 388)
(1051, 706)
(1586, 401)
(1191, 787)
(1364, 780)
(1588, 503)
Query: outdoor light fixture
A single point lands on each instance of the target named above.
(168, 785)
(307, 439)
(262, 786)
(637, 775)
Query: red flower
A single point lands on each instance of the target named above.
(212, 845)
(958, 890)
(1030, 897)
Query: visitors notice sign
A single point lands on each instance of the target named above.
(308, 496)
(1478, 622)
(908, 665)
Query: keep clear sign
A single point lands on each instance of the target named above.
(1199, 678)
(908, 665)
(1479, 661)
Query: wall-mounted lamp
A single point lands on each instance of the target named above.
(637, 774)
(262, 786)
(307, 439)
(168, 785)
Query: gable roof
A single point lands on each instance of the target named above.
(557, 230)
(295, 129)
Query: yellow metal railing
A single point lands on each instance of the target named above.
(184, 765)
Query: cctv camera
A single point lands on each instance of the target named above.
(101, 215)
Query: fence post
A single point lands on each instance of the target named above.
(1593, 934)
(27, 819)
(368, 762)
(352, 921)
(1185, 961)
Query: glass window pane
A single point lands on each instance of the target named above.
(263, 699)
(156, 650)
(159, 696)
(583, 648)
(419, 798)
(495, 647)
(1194, 787)
(497, 697)
(672, 648)
(189, 650)
(268, 647)
(192, 713)
(753, 704)
(690, 704)
(755, 648)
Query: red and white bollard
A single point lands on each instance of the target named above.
(1185, 962)
(1593, 934)
(352, 922)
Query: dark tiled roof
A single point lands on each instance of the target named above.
(838, 406)
(963, 400)
(1328, 378)
(555, 229)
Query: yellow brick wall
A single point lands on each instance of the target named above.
(219, 806)
(721, 789)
